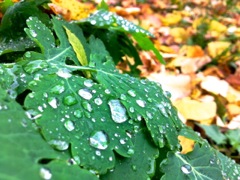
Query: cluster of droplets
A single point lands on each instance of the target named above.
(108, 19)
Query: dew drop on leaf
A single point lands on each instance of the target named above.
(59, 144)
(33, 33)
(132, 93)
(123, 97)
(107, 91)
(98, 101)
(99, 140)
(87, 106)
(131, 109)
(45, 174)
(69, 100)
(130, 151)
(58, 89)
(93, 22)
(88, 83)
(141, 103)
(77, 113)
(84, 93)
(52, 101)
(64, 73)
(186, 169)
(69, 125)
(118, 111)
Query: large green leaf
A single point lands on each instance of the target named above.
(201, 163)
(141, 165)
(95, 118)
(12, 35)
(22, 148)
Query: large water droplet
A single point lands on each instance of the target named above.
(84, 93)
(59, 144)
(132, 93)
(186, 169)
(52, 101)
(58, 89)
(45, 174)
(118, 111)
(69, 100)
(99, 140)
(77, 113)
(141, 103)
(69, 125)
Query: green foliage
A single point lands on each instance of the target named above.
(86, 120)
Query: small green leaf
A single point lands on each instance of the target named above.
(213, 132)
(78, 49)
(234, 137)
(201, 163)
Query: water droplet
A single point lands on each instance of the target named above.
(87, 106)
(35, 66)
(69, 125)
(98, 101)
(33, 33)
(131, 109)
(123, 97)
(149, 115)
(107, 91)
(45, 174)
(69, 100)
(99, 140)
(93, 22)
(122, 141)
(27, 54)
(84, 93)
(118, 111)
(130, 151)
(132, 93)
(58, 89)
(77, 113)
(186, 169)
(52, 101)
(141, 103)
(134, 167)
(64, 73)
(88, 83)
(59, 144)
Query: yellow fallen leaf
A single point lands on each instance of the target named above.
(78, 49)
(233, 109)
(171, 18)
(179, 34)
(215, 85)
(216, 48)
(196, 110)
(187, 144)
(199, 21)
(71, 9)
(216, 28)
(192, 51)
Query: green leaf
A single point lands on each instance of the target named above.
(201, 163)
(229, 168)
(12, 36)
(141, 165)
(23, 147)
(213, 132)
(146, 44)
(109, 20)
(234, 137)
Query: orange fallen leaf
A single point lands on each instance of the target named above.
(196, 110)
(187, 144)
